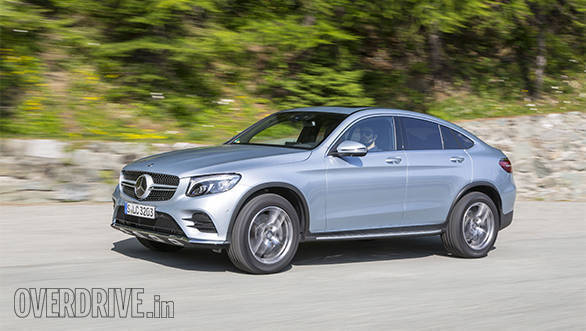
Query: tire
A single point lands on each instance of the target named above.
(265, 235)
(472, 226)
(158, 246)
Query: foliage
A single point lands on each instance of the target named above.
(202, 70)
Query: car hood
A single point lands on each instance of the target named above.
(223, 158)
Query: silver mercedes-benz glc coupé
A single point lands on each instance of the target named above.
(323, 173)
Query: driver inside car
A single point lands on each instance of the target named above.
(368, 138)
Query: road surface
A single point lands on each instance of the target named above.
(535, 278)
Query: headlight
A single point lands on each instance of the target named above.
(211, 184)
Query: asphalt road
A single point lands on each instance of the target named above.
(535, 278)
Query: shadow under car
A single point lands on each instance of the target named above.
(309, 253)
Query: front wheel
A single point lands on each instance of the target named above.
(265, 235)
(473, 226)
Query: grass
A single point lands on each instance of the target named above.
(562, 96)
(108, 177)
(73, 108)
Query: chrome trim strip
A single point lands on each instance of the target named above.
(161, 187)
(207, 242)
(158, 187)
(439, 127)
(172, 238)
(379, 235)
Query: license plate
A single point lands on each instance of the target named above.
(139, 210)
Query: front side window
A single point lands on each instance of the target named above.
(303, 130)
(376, 133)
(454, 139)
(421, 134)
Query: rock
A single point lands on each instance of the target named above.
(10, 167)
(27, 197)
(547, 182)
(568, 156)
(578, 165)
(45, 148)
(72, 192)
(38, 185)
(547, 152)
(13, 147)
(161, 148)
(127, 158)
(521, 165)
(522, 152)
(10, 184)
(102, 192)
(140, 149)
(574, 180)
(80, 157)
(185, 146)
(96, 160)
(540, 168)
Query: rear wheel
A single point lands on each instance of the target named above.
(158, 246)
(265, 235)
(473, 226)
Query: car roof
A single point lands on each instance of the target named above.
(352, 110)
(337, 110)
(371, 110)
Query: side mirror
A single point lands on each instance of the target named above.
(350, 148)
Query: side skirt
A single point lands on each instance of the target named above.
(428, 230)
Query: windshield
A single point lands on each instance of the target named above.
(303, 130)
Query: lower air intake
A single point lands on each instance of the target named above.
(202, 223)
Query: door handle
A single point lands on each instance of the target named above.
(456, 159)
(393, 160)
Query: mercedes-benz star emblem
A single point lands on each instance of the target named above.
(143, 186)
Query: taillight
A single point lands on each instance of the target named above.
(506, 165)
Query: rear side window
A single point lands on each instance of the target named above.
(421, 134)
(454, 139)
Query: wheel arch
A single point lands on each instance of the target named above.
(287, 191)
(483, 187)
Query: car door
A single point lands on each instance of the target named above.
(366, 192)
(435, 174)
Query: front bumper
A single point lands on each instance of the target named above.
(180, 208)
(167, 238)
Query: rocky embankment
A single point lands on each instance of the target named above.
(39, 170)
(547, 151)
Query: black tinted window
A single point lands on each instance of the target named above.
(376, 133)
(421, 134)
(454, 139)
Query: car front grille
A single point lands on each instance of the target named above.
(163, 223)
(163, 189)
(162, 179)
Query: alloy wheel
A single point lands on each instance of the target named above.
(270, 235)
(478, 225)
